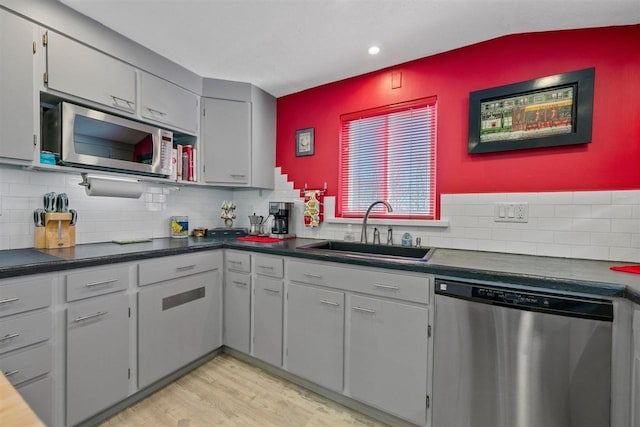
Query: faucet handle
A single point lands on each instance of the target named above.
(376, 236)
(389, 236)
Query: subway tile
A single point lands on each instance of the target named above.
(590, 252)
(625, 225)
(542, 211)
(550, 249)
(465, 244)
(591, 224)
(592, 198)
(624, 254)
(559, 198)
(525, 248)
(572, 237)
(531, 198)
(573, 211)
(555, 223)
(611, 239)
(537, 236)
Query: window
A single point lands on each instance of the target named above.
(388, 153)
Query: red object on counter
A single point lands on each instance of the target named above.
(627, 268)
(263, 239)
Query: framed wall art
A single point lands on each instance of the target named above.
(544, 112)
(304, 142)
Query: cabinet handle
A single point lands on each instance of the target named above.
(324, 301)
(235, 282)
(237, 175)
(186, 267)
(366, 310)
(230, 261)
(154, 112)
(9, 336)
(392, 288)
(130, 104)
(8, 300)
(104, 282)
(273, 291)
(314, 276)
(90, 316)
(266, 267)
(8, 374)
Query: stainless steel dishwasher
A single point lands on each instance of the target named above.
(515, 358)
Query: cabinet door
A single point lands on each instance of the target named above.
(81, 71)
(97, 355)
(39, 395)
(237, 311)
(267, 320)
(315, 335)
(635, 395)
(178, 322)
(226, 130)
(16, 87)
(164, 102)
(388, 356)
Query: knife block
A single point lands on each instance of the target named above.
(57, 231)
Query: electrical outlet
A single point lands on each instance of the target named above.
(511, 212)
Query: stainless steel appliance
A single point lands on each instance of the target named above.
(516, 358)
(89, 138)
(281, 212)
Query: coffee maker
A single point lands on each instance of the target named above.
(281, 212)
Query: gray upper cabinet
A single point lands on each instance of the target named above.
(315, 335)
(238, 135)
(166, 103)
(78, 70)
(267, 319)
(387, 362)
(97, 355)
(226, 132)
(635, 404)
(17, 107)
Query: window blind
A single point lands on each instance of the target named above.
(389, 153)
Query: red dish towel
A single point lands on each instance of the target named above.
(628, 268)
(262, 239)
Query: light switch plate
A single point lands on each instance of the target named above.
(511, 212)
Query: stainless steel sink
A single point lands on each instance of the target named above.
(362, 249)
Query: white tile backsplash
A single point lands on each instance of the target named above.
(592, 224)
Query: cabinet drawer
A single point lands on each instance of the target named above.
(24, 331)
(374, 281)
(17, 296)
(238, 261)
(269, 266)
(96, 281)
(172, 267)
(26, 365)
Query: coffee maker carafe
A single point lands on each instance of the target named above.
(281, 212)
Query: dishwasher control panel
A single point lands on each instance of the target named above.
(527, 300)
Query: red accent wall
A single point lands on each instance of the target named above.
(611, 161)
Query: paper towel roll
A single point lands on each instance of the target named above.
(113, 188)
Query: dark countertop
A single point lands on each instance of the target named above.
(555, 274)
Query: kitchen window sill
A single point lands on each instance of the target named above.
(391, 221)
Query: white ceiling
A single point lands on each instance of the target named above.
(285, 46)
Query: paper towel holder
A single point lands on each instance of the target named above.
(86, 182)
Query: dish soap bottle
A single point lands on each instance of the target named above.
(348, 235)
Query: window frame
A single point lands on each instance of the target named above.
(427, 102)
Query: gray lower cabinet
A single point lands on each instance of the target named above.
(315, 335)
(267, 320)
(39, 395)
(237, 311)
(387, 363)
(97, 355)
(635, 395)
(179, 321)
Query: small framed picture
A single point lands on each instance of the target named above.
(304, 142)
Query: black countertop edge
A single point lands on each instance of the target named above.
(61, 264)
(90, 255)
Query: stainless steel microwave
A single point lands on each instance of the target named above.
(79, 136)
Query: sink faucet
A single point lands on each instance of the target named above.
(363, 234)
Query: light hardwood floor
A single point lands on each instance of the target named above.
(228, 392)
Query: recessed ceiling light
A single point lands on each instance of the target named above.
(374, 50)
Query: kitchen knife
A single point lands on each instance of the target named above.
(74, 217)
